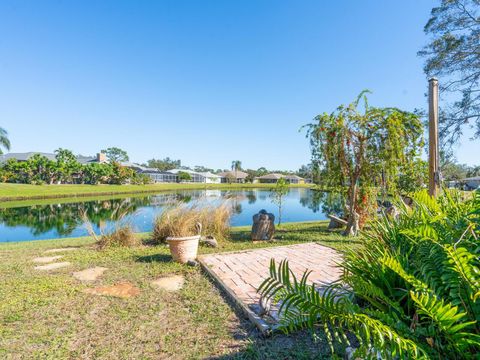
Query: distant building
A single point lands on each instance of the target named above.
(273, 179)
(158, 176)
(294, 179)
(100, 158)
(233, 176)
(199, 177)
(269, 178)
(471, 183)
(211, 178)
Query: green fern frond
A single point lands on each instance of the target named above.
(393, 264)
(411, 291)
(303, 306)
(447, 318)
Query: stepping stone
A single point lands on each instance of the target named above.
(91, 274)
(52, 266)
(123, 290)
(170, 283)
(46, 259)
(60, 250)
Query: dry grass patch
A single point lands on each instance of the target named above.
(122, 235)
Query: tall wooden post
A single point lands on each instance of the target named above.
(433, 156)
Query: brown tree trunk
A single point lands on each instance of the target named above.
(353, 217)
(353, 224)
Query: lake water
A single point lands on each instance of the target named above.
(61, 220)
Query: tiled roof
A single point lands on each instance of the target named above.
(272, 176)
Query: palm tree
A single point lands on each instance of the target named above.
(236, 165)
(4, 142)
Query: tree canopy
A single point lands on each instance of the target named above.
(115, 154)
(360, 149)
(165, 164)
(66, 169)
(67, 165)
(453, 54)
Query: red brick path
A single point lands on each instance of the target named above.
(243, 272)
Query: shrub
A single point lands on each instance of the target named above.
(121, 236)
(181, 220)
(184, 176)
(141, 179)
(412, 291)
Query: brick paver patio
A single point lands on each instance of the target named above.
(241, 273)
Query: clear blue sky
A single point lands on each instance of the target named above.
(207, 82)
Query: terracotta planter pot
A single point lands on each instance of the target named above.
(183, 249)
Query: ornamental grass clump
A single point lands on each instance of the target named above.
(175, 221)
(182, 220)
(215, 220)
(121, 235)
(412, 290)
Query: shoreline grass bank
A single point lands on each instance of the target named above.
(18, 192)
(146, 236)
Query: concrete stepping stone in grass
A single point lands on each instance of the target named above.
(50, 251)
(52, 266)
(91, 274)
(123, 290)
(169, 283)
(46, 259)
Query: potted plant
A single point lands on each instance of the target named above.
(183, 249)
(179, 227)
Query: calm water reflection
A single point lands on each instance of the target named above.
(65, 220)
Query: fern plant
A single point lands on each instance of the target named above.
(412, 291)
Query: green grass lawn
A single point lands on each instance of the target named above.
(47, 316)
(26, 191)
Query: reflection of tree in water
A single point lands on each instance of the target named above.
(172, 198)
(328, 202)
(64, 218)
(237, 208)
(236, 202)
(252, 198)
(263, 195)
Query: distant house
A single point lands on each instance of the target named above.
(294, 179)
(471, 183)
(100, 158)
(199, 177)
(269, 178)
(233, 176)
(171, 176)
(158, 176)
(137, 167)
(273, 179)
(211, 178)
